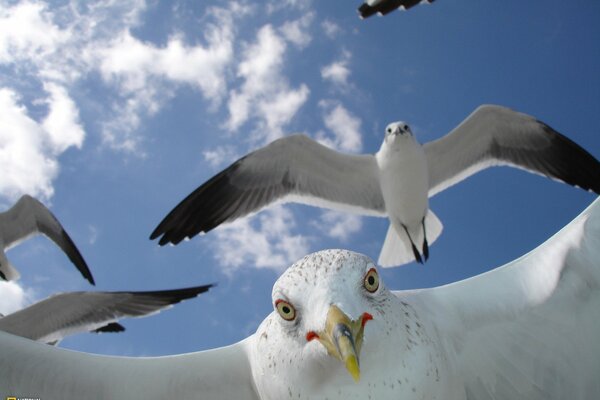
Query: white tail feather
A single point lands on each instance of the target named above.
(396, 248)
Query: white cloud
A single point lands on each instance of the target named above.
(338, 72)
(296, 31)
(62, 122)
(330, 28)
(263, 241)
(338, 225)
(220, 155)
(265, 93)
(13, 297)
(344, 126)
(27, 32)
(29, 149)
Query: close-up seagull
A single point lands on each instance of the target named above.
(64, 314)
(527, 330)
(383, 7)
(395, 182)
(29, 217)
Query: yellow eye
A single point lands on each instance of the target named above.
(371, 282)
(285, 310)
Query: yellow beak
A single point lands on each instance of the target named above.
(343, 337)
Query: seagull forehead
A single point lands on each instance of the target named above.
(330, 270)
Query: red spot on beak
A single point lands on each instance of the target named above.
(310, 335)
(366, 317)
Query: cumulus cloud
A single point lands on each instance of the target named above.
(220, 155)
(266, 240)
(13, 297)
(297, 32)
(338, 225)
(330, 28)
(338, 72)
(265, 93)
(29, 149)
(344, 126)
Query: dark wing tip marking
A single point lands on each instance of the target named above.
(386, 7)
(112, 327)
(174, 296)
(563, 159)
(77, 259)
(201, 211)
(571, 163)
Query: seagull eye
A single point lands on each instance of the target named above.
(285, 310)
(389, 130)
(371, 282)
(405, 127)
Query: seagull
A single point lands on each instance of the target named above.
(29, 217)
(526, 330)
(396, 182)
(384, 7)
(51, 320)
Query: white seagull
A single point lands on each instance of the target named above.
(383, 7)
(527, 330)
(29, 217)
(51, 320)
(396, 182)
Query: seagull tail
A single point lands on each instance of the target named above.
(398, 249)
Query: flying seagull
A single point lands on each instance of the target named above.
(64, 314)
(29, 217)
(384, 7)
(396, 182)
(527, 330)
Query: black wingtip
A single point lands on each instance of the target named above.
(2, 276)
(78, 260)
(112, 327)
(174, 296)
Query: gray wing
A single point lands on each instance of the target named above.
(69, 313)
(29, 217)
(294, 168)
(34, 369)
(494, 135)
(530, 329)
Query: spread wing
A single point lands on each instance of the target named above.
(29, 217)
(64, 314)
(34, 368)
(494, 135)
(529, 329)
(294, 168)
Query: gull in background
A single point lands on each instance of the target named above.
(396, 182)
(527, 330)
(383, 7)
(51, 320)
(29, 217)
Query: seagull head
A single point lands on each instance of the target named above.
(397, 134)
(398, 128)
(328, 316)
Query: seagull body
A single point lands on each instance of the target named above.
(29, 217)
(396, 182)
(383, 7)
(527, 330)
(51, 320)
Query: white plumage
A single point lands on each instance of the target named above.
(527, 330)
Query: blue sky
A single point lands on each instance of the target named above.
(112, 112)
